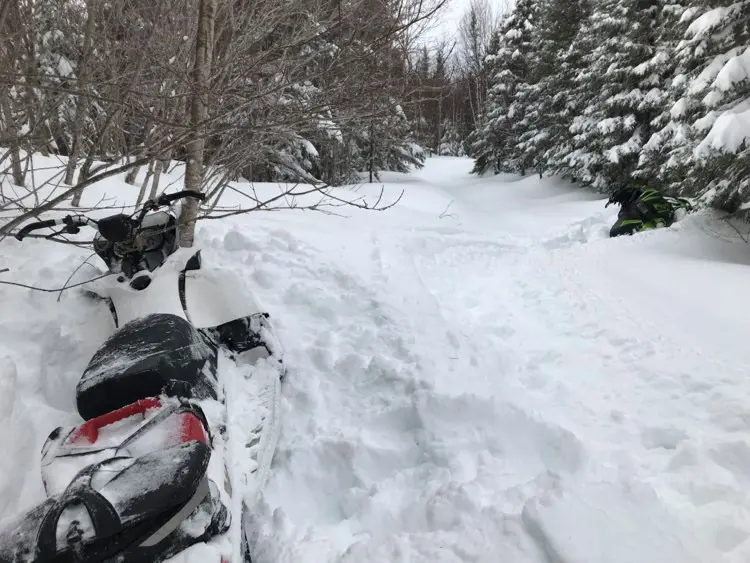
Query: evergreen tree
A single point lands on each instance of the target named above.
(493, 146)
(703, 143)
(615, 91)
(621, 92)
(522, 112)
(450, 144)
(656, 161)
(543, 133)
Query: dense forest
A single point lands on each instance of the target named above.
(610, 92)
(602, 92)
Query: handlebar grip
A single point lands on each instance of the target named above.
(35, 226)
(169, 198)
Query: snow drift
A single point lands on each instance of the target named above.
(478, 374)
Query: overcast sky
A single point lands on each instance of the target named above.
(450, 16)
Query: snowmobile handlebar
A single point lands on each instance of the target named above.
(71, 224)
(117, 227)
(21, 234)
(166, 199)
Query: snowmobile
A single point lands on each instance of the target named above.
(146, 477)
(643, 208)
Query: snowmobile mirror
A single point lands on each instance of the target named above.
(116, 228)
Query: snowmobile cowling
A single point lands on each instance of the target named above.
(137, 475)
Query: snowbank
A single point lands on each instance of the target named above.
(478, 374)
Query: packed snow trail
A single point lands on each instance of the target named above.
(476, 375)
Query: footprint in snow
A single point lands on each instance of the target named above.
(235, 241)
(503, 331)
(666, 438)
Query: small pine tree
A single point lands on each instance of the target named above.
(450, 144)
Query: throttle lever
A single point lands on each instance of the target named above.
(73, 223)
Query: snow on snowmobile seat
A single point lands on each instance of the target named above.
(130, 486)
(142, 359)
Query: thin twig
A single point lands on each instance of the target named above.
(54, 290)
(74, 273)
(743, 237)
(445, 212)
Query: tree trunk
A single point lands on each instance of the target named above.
(131, 176)
(36, 139)
(75, 148)
(144, 184)
(82, 104)
(97, 142)
(439, 129)
(372, 148)
(198, 113)
(157, 174)
(10, 55)
(19, 178)
(4, 9)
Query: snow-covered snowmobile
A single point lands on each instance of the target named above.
(643, 208)
(180, 388)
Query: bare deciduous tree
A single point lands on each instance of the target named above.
(269, 89)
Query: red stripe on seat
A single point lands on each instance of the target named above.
(88, 432)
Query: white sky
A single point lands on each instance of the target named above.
(450, 15)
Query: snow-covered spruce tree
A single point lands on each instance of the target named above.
(420, 98)
(706, 140)
(523, 112)
(620, 95)
(494, 144)
(444, 121)
(657, 163)
(548, 105)
(385, 141)
(450, 143)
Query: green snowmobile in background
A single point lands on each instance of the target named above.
(643, 208)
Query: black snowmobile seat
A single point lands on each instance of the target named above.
(145, 358)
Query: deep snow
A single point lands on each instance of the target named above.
(478, 374)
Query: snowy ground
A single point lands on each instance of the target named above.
(476, 375)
